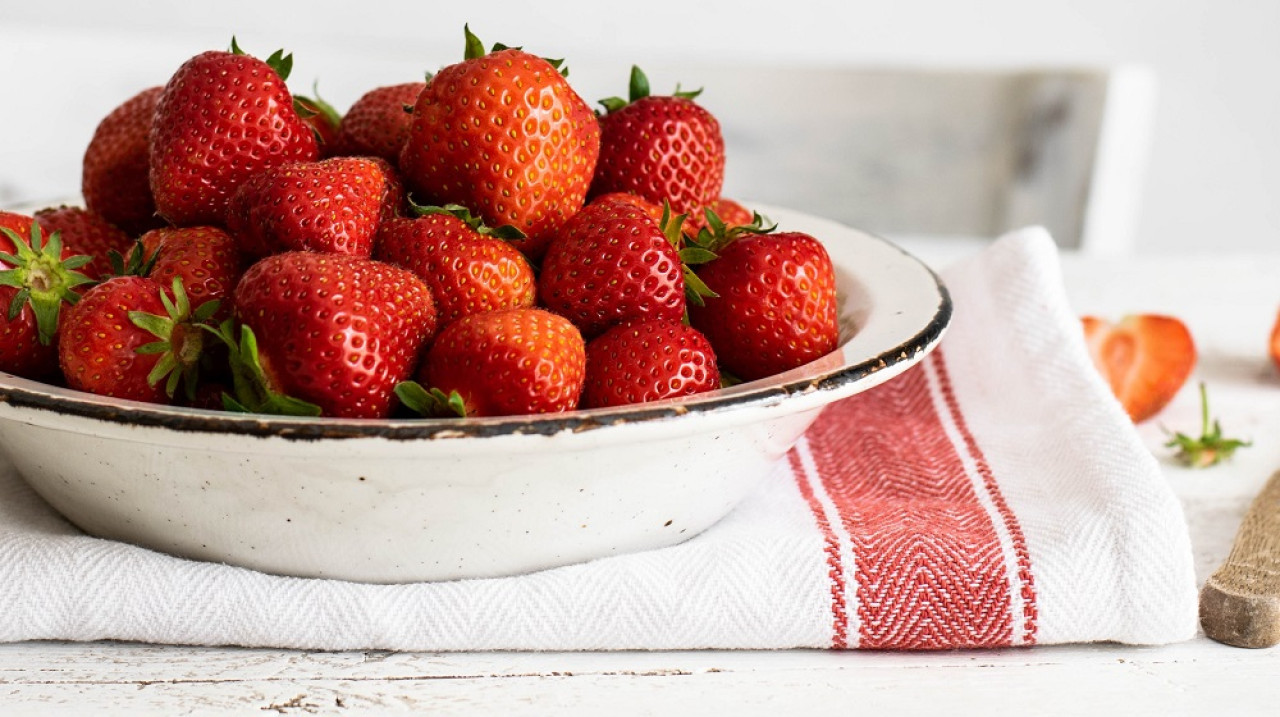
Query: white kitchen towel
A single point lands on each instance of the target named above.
(993, 495)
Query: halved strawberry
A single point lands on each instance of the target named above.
(646, 361)
(1145, 358)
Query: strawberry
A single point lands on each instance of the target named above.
(85, 232)
(206, 259)
(322, 119)
(648, 361)
(467, 266)
(775, 307)
(654, 211)
(36, 280)
(334, 206)
(127, 339)
(222, 118)
(115, 181)
(506, 363)
(728, 212)
(377, 125)
(663, 148)
(504, 135)
(612, 264)
(334, 330)
(1145, 358)
(1273, 346)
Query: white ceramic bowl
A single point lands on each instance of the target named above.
(407, 500)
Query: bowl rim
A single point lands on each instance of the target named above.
(27, 393)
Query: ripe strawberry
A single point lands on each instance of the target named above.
(776, 303)
(377, 125)
(1273, 346)
(127, 339)
(115, 181)
(323, 120)
(335, 330)
(663, 148)
(36, 280)
(222, 118)
(646, 361)
(206, 259)
(467, 267)
(728, 212)
(84, 232)
(334, 206)
(504, 135)
(1145, 358)
(612, 264)
(654, 211)
(509, 362)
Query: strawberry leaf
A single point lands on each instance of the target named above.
(281, 63)
(181, 342)
(42, 278)
(474, 49)
(254, 392)
(1211, 447)
(506, 231)
(638, 88)
(432, 403)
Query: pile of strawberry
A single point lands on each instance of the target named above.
(481, 243)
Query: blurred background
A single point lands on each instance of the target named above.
(1143, 125)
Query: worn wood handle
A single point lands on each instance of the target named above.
(1240, 603)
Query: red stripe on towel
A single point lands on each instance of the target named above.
(928, 564)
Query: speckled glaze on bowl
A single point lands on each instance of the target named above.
(392, 501)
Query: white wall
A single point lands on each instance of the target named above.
(1214, 178)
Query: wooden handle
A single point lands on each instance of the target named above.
(1240, 603)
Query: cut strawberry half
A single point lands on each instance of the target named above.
(1145, 358)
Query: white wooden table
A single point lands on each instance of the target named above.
(1229, 302)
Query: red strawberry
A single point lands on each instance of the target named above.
(1145, 358)
(128, 340)
(335, 330)
(507, 363)
(468, 269)
(654, 211)
(334, 206)
(776, 303)
(323, 120)
(507, 137)
(728, 212)
(222, 118)
(19, 224)
(115, 181)
(206, 259)
(612, 264)
(648, 361)
(377, 125)
(661, 148)
(36, 280)
(1273, 346)
(84, 232)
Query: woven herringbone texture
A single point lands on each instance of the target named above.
(994, 495)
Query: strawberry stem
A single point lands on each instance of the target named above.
(1210, 448)
(44, 280)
